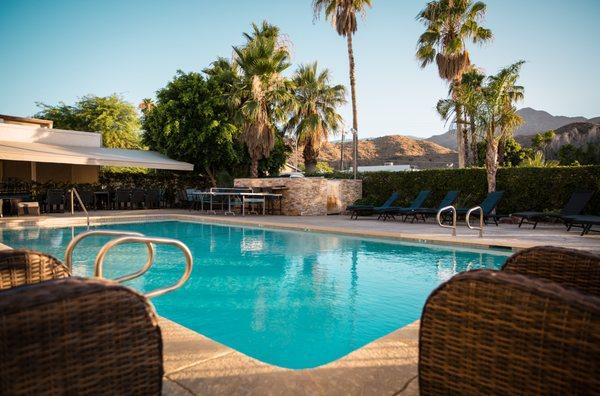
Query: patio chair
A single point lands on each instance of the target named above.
(122, 199)
(55, 200)
(586, 222)
(422, 213)
(138, 198)
(152, 200)
(78, 336)
(369, 210)
(391, 212)
(495, 332)
(26, 267)
(571, 268)
(574, 206)
(488, 205)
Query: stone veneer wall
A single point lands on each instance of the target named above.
(310, 196)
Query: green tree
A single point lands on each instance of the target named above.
(542, 140)
(449, 24)
(343, 15)
(261, 95)
(538, 161)
(113, 117)
(497, 115)
(191, 122)
(510, 152)
(314, 110)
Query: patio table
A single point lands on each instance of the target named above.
(245, 197)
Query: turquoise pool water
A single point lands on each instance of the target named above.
(293, 299)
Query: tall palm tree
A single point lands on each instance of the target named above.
(260, 95)
(449, 25)
(314, 113)
(343, 17)
(497, 114)
(146, 105)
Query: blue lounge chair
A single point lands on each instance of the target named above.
(422, 213)
(573, 207)
(488, 205)
(391, 212)
(369, 210)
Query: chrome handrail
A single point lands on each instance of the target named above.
(83, 235)
(74, 192)
(439, 220)
(189, 262)
(480, 228)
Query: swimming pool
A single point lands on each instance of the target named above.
(289, 298)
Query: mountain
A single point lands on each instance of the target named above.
(394, 148)
(578, 134)
(534, 121)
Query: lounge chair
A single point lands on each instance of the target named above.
(423, 213)
(573, 207)
(584, 221)
(391, 212)
(488, 205)
(369, 210)
(79, 336)
(531, 328)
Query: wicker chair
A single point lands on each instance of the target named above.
(26, 267)
(569, 267)
(495, 332)
(78, 336)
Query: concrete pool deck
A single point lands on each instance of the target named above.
(195, 364)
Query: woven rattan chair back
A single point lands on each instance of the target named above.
(495, 333)
(26, 267)
(78, 336)
(569, 267)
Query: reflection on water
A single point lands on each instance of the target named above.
(294, 299)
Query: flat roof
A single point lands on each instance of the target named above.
(79, 155)
(26, 120)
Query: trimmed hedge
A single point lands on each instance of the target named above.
(540, 189)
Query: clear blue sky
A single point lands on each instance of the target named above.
(53, 51)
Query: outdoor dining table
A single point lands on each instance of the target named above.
(229, 195)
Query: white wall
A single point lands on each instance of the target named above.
(59, 137)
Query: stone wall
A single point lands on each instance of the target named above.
(310, 196)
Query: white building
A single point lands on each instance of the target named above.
(386, 167)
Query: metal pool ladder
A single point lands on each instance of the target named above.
(76, 194)
(480, 228)
(439, 218)
(132, 237)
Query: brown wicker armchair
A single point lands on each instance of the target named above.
(569, 267)
(78, 336)
(492, 332)
(26, 267)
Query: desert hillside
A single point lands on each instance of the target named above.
(578, 134)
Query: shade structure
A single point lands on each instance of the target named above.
(79, 155)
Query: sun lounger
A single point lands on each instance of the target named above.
(573, 207)
(369, 210)
(488, 205)
(423, 213)
(584, 221)
(392, 212)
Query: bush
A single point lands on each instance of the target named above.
(525, 188)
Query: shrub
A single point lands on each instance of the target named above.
(525, 188)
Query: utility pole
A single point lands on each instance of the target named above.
(355, 142)
(342, 152)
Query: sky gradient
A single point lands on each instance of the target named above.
(53, 51)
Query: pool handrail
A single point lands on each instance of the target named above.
(439, 220)
(71, 247)
(480, 228)
(189, 261)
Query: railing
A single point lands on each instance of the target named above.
(98, 263)
(87, 215)
(439, 218)
(83, 235)
(480, 228)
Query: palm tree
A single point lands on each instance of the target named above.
(538, 161)
(314, 114)
(146, 105)
(343, 17)
(497, 115)
(449, 25)
(260, 95)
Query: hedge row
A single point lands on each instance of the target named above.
(540, 189)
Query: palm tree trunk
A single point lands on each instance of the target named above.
(474, 150)
(353, 95)
(310, 157)
(465, 141)
(460, 143)
(211, 176)
(254, 167)
(491, 162)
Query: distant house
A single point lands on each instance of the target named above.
(386, 167)
(31, 150)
